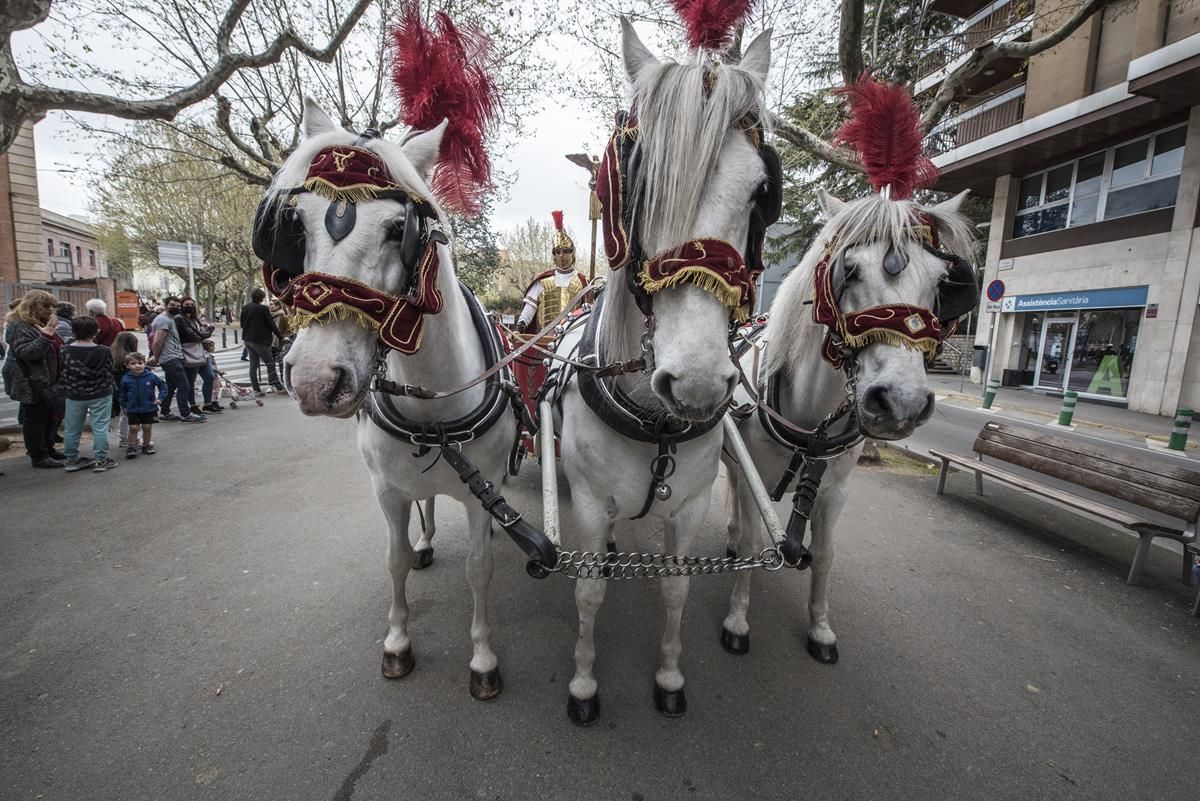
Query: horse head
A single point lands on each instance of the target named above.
(899, 275)
(348, 239)
(691, 175)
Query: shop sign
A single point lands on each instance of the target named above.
(1151, 311)
(1118, 298)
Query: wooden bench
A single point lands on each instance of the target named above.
(1172, 490)
(1192, 551)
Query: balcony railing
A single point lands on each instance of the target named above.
(959, 127)
(61, 265)
(991, 22)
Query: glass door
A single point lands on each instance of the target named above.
(1054, 355)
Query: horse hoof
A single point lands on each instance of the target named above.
(583, 711)
(736, 644)
(397, 666)
(422, 558)
(486, 686)
(670, 704)
(825, 654)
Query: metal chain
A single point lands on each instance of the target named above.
(621, 566)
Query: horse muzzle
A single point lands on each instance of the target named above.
(890, 412)
(327, 390)
(696, 395)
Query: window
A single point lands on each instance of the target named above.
(1131, 178)
(64, 250)
(91, 258)
(79, 255)
(50, 247)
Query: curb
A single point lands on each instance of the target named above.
(1133, 432)
(909, 452)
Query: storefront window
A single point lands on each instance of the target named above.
(1031, 337)
(1103, 354)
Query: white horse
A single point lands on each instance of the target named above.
(330, 366)
(891, 390)
(699, 172)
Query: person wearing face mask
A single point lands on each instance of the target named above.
(550, 292)
(192, 333)
(167, 353)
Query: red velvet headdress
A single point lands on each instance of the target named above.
(885, 129)
(710, 23)
(444, 74)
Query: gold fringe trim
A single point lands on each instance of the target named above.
(355, 193)
(336, 311)
(702, 277)
(926, 345)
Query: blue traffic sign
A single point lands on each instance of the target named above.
(995, 290)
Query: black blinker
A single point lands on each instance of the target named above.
(340, 218)
(893, 262)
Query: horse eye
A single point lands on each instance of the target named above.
(395, 231)
(850, 275)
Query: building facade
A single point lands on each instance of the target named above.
(1091, 154)
(71, 250)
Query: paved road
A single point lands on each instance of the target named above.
(207, 624)
(228, 361)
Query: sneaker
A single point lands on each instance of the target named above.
(193, 418)
(47, 463)
(104, 464)
(130, 452)
(123, 444)
(213, 408)
(279, 388)
(168, 416)
(75, 465)
(57, 454)
(148, 450)
(258, 393)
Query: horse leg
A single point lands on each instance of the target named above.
(485, 672)
(583, 699)
(735, 631)
(424, 547)
(732, 524)
(669, 698)
(397, 648)
(822, 642)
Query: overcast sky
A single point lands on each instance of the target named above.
(544, 179)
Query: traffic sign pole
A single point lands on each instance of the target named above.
(995, 293)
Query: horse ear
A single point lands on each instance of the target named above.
(315, 120)
(829, 204)
(953, 205)
(757, 58)
(635, 54)
(422, 149)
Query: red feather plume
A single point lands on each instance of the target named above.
(558, 220)
(885, 129)
(710, 23)
(444, 73)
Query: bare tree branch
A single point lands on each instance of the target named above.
(20, 101)
(989, 52)
(803, 138)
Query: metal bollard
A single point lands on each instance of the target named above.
(224, 331)
(235, 336)
(1179, 434)
(990, 394)
(1070, 398)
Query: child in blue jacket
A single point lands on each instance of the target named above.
(140, 402)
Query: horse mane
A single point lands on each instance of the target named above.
(868, 219)
(685, 113)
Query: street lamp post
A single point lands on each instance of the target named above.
(592, 165)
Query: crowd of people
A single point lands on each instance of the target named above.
(75, 369)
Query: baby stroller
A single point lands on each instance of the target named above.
(234, 391)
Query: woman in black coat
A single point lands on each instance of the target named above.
(192, 332)
(31, 374)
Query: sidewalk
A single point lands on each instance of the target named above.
(1097, 419)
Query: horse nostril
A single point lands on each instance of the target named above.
(877, 403)
(336, 385)
(927, 411)
(662, 382)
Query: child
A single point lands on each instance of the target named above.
(140, 402)
(210, 349)
(123, 345)
(86, 375)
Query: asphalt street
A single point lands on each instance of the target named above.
(207, 623)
